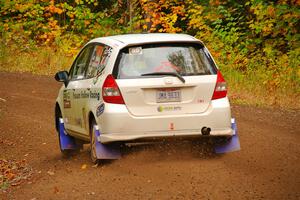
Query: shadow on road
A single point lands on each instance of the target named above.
(172, 149)
(149, 152)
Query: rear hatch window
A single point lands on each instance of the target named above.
(166, 79)
(182, 59)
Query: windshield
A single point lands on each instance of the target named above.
(185, 60)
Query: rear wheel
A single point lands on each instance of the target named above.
(93, 154)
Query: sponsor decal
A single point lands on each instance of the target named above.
(66, 99)
(66, 95)
(171, 126)
(100, 110)
(94, 95)
(67, 104)
(200, 101)
(76, 95)
(86, 95)
(135, 51)
(168, 108)
(104, 59)
(107, 51)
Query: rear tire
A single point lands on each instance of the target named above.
(93, 154)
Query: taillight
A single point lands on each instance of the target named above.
(111, 92)
(221, 88)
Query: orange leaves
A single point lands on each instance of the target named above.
(6, 27)
(13, 172)
(121, 21)
(86, 22)
(54, 9)
(58, 11)
(178, 10)
(163, 16)
(78, 2)
(84, 166)
(51, 31)
(145, 27)
(52, 23)
(271, 11)
(214, 2)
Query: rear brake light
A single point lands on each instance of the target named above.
(221, 88)
(111, 92)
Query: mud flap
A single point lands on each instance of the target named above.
(105, 151)
(233, 144)
(66, 141)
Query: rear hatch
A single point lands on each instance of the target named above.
(166, 79)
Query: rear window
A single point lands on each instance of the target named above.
(184, 59)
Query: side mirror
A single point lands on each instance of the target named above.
(62, 76)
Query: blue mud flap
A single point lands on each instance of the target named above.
(233, 144)
(66, 141)
(106, 151)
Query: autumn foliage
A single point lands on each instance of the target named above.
(255, 42)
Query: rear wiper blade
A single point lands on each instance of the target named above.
(165, 73)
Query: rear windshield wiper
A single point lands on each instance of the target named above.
(165, 73)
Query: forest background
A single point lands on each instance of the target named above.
(254, 42)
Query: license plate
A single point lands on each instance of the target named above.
(168, 95)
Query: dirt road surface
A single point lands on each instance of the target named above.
(267, 167)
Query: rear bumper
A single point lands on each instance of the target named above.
(114, 137)
(117, 124)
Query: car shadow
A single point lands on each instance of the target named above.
(172, 149)
(155, 151)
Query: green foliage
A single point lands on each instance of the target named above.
(44, 21)
(254, 42)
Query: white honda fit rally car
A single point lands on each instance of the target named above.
(143, 86)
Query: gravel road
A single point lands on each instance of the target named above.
(267, 167)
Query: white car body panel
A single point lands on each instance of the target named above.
(124, 125)
(139, 95)
(141, 116)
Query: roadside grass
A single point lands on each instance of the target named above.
(38, 60)
(253, 89)
(249, 89)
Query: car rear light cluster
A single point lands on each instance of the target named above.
(111, 92)
(221, 88)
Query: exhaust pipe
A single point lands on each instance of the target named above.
(205, 130)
